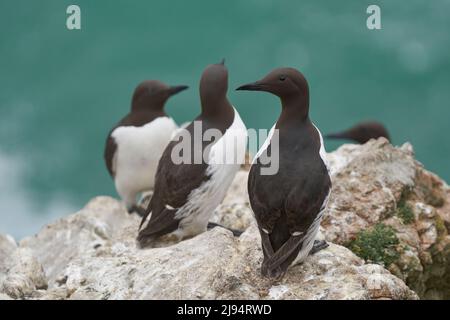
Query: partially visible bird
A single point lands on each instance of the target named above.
(289, 204)
(187, 192)
(135, 144)
(362, 132)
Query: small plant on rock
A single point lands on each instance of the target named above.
(376, 245)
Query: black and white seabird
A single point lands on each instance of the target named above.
(134, 145)
(186, 194)
(362, 132)
(289, 205)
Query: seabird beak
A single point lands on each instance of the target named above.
(255, 86)
(222, 62)
(176, 89)
(337, 135)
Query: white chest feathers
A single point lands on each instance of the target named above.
(225, 158)
(322, 152)
(138, 152)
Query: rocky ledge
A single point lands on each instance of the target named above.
(388, 226)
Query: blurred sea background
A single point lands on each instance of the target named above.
(61, 91)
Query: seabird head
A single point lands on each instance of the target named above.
(362, 132)
(282, 82)
(288, 84)
(214, 84)
(153, 94)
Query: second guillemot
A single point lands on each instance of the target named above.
(187, 192)
(289, 204)
(134, 146)
(362, 132)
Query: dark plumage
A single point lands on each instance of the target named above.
(288, 205)
(362, 132)
(176, 182)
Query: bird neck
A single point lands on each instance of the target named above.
(144, 115)
(217, 109)
(295, 109)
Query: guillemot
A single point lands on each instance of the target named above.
(187, 192)
(362, 132)
(135, 144)
(289, 204)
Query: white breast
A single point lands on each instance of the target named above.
(322, 151)
(225, 158)
(138, 152)
(265, 144)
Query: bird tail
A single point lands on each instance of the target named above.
(147, 212)
(274, 273)
(160, 223)
(276, 265)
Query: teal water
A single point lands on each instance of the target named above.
(61, 90)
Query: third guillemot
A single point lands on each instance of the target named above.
(134, 146)
(187, 193)
(362, 132)
(289, 205)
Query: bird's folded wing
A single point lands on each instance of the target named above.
(173, 185)
(110, 151)
(263, 200)
(163, 223)
(286, 250)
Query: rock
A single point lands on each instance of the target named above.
(340, 159)
(7, 247)
(379, 189)
(4, 296)
(377, 183)
(58, 293)
(374, 184)
(235, 212)
(213, 265)
(367, 189)
(84, 233)
(25, 275)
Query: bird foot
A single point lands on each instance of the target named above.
(212, 225)
(275, 275)
(318, 245)
(172, 237)
(140, 211)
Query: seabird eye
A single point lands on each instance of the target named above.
(282, 78)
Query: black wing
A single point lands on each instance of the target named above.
(173, 185)
(109, 153)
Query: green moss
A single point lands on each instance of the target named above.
(405, 212)
(376, 245)
(440, 228)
